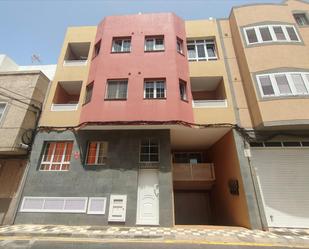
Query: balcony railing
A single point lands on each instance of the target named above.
(64, 107)
(193, 172)
(74, 63)
(222, 103)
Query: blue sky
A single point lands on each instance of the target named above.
(38, 26)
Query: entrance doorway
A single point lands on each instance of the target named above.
(148, 197)
(192, 207)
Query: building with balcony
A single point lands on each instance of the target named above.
(22, 93)
(271, 95)
(169, 122)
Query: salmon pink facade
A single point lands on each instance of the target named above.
(137, 66)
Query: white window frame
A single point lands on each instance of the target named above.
(4, 109)
(290, 82)
(154, 47)
(42, 210)
(140, 147)
(53, 154)
(272, 33)
(205, 43)
(155, 82)
(117, 91)
(105, 143)
(96, 212)
(122, 45)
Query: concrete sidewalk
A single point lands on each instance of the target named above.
(194, 234)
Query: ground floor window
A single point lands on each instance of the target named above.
(97, 152)
(149, 151)
(56, 156)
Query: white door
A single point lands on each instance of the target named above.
(283, 176)
(148, 197)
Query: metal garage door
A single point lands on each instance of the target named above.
(283, 176)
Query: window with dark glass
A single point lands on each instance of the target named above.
(251, 35)
(179, 45)
(301, 19)
(266, 85)
(149, 151)
(271, 33)
(265, 33)
(183, 90)
(97, 48)
(117, 89)
(89, 89)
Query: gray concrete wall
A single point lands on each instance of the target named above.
(118, 176)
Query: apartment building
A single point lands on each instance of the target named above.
(271, 46)
(168, 122)
(22, 92)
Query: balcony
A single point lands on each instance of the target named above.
(66, 96)
(193, 176)
(77, 54)
(208, 92)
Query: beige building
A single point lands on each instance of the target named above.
(266, 49)
(22, 93)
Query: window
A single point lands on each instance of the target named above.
(279, 33)
(154, 89)
(54, 204)
(117, 89)
(265, 34)
(154, 43)
(2, 109)
(299, 83)
(284, 84)
(149, 151)
(301, 19)
(292, 33)
(97, 48)
(89, 89)
(56, 156)
(96, 205)
(179, 45)
(271, 33)
(121, 45)
(96, 153)
(201, 50)
(183, 90)
(266, 85)
(251, 36)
